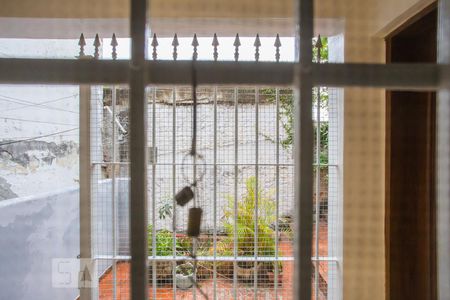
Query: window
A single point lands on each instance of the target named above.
(245, 135)
(128, 131)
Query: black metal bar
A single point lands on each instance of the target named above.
(138, 153)
(63, 71)
(59, 71)
(391, 76)
(303, 154)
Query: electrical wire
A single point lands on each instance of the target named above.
(37, 137)
(36, 121)
(40, 103)
(29, 137)
(22, 102)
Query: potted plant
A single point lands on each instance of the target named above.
(164, 243)
(245, 223)
(185, 275)
(271, 280)
(164, 247)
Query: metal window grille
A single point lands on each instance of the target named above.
(245, 137)
(388, 76)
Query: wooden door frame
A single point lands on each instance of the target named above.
(431, 152)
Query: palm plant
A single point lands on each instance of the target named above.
(250, 229)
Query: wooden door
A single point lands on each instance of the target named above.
(410, 207)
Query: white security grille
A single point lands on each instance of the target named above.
(243, 136)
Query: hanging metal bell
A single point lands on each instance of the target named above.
(194, 221)
(184, 196)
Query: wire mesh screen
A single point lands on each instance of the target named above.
(245, 137)
(246, 244)
(110, 188)
(237, 255)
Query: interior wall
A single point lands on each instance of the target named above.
(383, 11)
(364, 146)
(364, 143)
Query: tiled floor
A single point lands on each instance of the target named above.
(224, 288)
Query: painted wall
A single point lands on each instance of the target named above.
(363, 160)
(364, 149)
(37, 229)
(33, 231)
(384, 10)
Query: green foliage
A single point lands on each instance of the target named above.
(245, 223)
(164, 242)
(165, 209)
(323, 143)
(286, 102)
(185, 269)
(164, 238)
(323, 51)
(183, 245)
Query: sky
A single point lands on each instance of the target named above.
(225, 49)
(68, 48)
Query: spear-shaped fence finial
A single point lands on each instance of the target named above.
(114, 45)
(195, 45)
(154, 45)
(81, 43)
(319, 47)
(175, 45)
(257, 44)
(97, 45)
(215, 43)
(236, 44)
(277, 47)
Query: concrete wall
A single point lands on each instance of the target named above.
(33, 231)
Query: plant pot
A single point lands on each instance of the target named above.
(163, 270)
(271, 278)
(225, 269)
(184, 276)
(205, 270)
(184, 282)
(246, 270)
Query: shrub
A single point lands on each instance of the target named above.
(245, 223)
(164, 242)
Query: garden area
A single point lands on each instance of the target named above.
(245, 246)
(225, 260)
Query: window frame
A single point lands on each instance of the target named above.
(303, 74)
